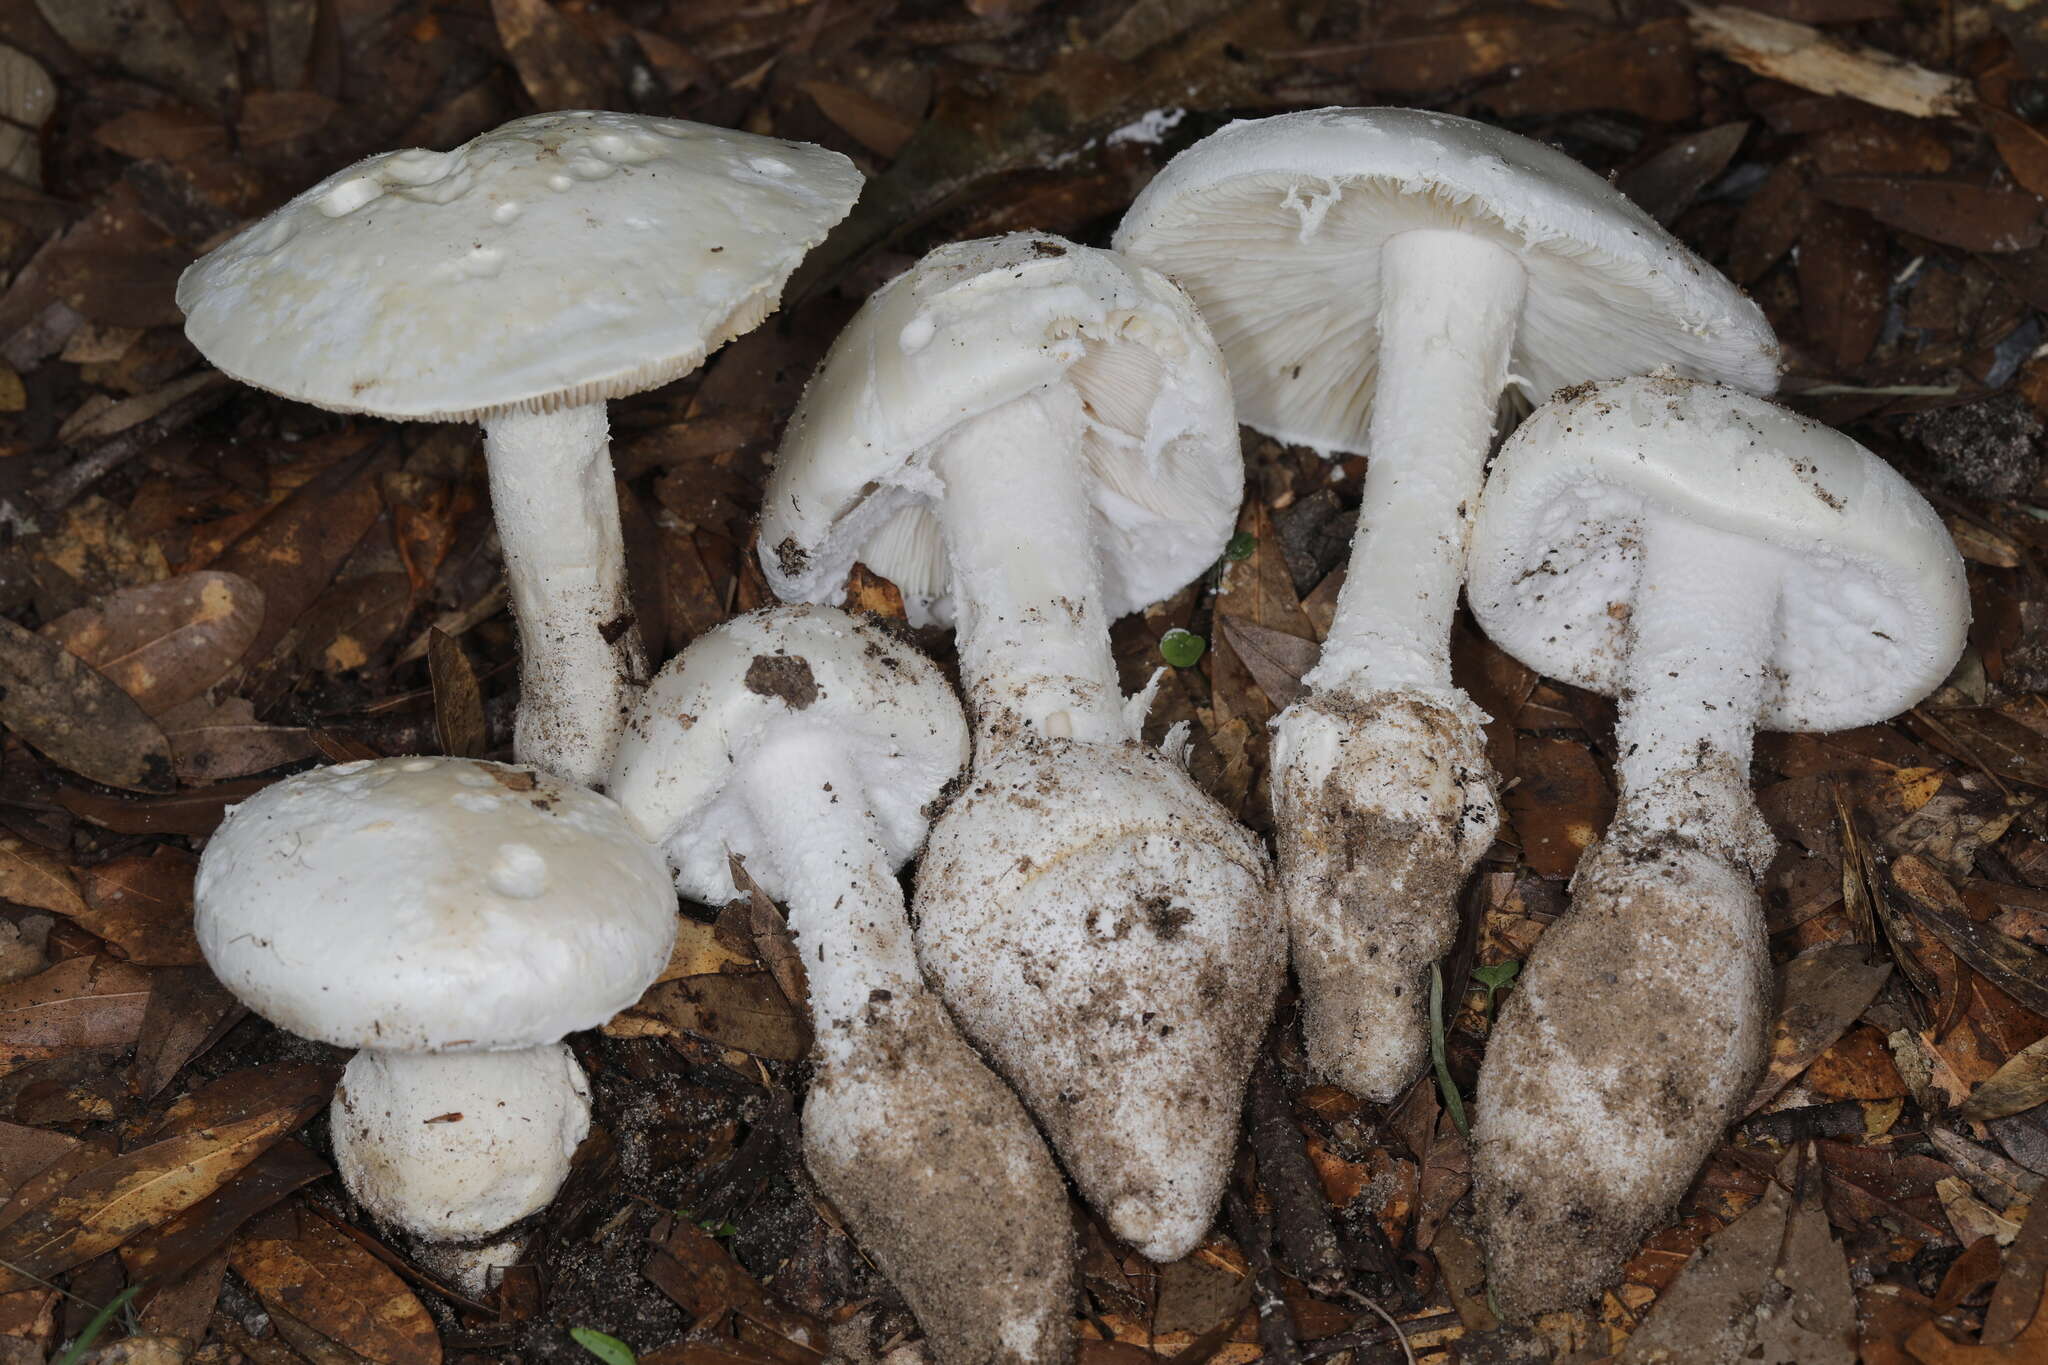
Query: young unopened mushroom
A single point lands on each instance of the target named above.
(1376, 278)
(521, 280)
(1718, 564)
(453, 919)
(1032, 438)
(814, 746)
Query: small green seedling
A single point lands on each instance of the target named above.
(1240, 547)
(76, 1351)
(1495, 978)
(609, 1349)
(1181, 648)
(1454, 1103)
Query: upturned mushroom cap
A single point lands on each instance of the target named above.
(458, 1146)
(433, 905)
(1871, 622)
(561, 259)
(1275, 226)
(969, 328)
(816, 667)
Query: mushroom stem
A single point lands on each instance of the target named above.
(1034, 646)
(845, 907)
(1701, 629)
(557, 513)
(1449, 306)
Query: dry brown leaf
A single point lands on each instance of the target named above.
(187, 1009)
(879, 127)
(1819, 995)
(76, 716)
(210, 743)
(1954, 212)
(458, 701)
(1561, 804)
(559, 67)
(302, 1265)
(2020, 1084)
(102, 1207)
(689, 1266)
(81, 1002)
(36, 877)
(143, 907)
(1842, 281)
(699, 951)
(1648, 73)
(165, 643)
(746, 1011)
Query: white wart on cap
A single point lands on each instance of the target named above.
(971, 327)
(521, 280)
(432, 905)
(1275, 226)
(561, 259)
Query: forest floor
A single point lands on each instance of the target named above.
(203, 588)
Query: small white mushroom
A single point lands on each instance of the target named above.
(1376, 278)
(1032, 438)
(452, 919)
(814, 746)
(1717, 564)
(521, 280)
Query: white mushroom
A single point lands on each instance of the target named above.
(1034, 438)
(814, 746)
(1718, 564)
(521, 280)
(454, 920)
(1376, 278)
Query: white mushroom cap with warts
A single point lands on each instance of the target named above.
(1870, 623)
(559, 260)
(433, 905)
(970, 328)
(817, 667)
(1275, 227)
(458, 1146)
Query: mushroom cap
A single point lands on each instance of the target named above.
(455, 1147)
(433, 905)
(1871, 621)
(968, 328)
(811, 668)
(561, 259)
(1275, 226)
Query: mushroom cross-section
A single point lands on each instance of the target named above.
(1718, 564)
(1032, 438)
(521, 280)
(814, 746)
(452, 919)
(1376, 278)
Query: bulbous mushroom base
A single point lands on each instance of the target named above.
(456, 1147)
(1383, 804)
(943, 1180)
(1638, 1028)
(1108, 936)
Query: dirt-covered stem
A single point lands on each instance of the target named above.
(845, 906)
(1701, 629)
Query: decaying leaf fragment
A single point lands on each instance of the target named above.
(165, 643)
(1819, 995)
(2020, 1084)
(77, 716)
(305, 1268)
(1771, 1287)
